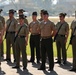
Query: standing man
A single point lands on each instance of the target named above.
(34, 38)
(3, 23)
(61, 39)
(73, 31)
(1, 36)
(47, 31)
(21, 13)
(21, 42)
(10, 30)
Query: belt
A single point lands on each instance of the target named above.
(11, 32)
(45, 37)
(21, 36)
(61, 35)
(35, 34)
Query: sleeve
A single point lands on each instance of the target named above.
(1, 26)
(29, 26)
(40, 25)
(27, 30)
(26, 21)
(56, 26)
(53, 26)
(3, 21)
(67, 27)
(7, 23)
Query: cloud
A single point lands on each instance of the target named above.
(54, 2)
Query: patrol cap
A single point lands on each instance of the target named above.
(21, 10)
(42, 11)
(34, 13)
(62, 14)
(21, 16)
(1, 10)
(45, 12)
(12, 11)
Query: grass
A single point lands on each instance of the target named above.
(55, 20)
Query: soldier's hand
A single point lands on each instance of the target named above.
(65, 40)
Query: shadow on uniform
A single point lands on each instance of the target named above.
(2, 72)
(66, 66)
(25, 72)
(50, 73)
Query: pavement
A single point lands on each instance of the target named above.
(6, 68)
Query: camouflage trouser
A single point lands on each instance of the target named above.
(61, 48)
(20, 47)
(9, 41)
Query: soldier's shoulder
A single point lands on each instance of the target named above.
(50, 22)
(14, 19)
(58, 22)
(42, 21)
(8, 20)
(74, 21)
(1, 17)
(25, 19)
(66, 23)
(30, 23)
(25, 25)
(37, 22)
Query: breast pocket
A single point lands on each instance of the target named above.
(12, 23)
(63, 28)
(47, 26)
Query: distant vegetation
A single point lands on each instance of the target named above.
(54, 7)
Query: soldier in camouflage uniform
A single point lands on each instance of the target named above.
(62, 38)
(11, 26)
(47, 31)
(34, 38)
(21, 42)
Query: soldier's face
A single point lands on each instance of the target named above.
(34, 17)
(21, 21)
(11, 15)
(45, 17)
(61, 17)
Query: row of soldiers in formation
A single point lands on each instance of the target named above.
(42, 31)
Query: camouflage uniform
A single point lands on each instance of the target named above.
(60, 40)
(34, 40)
(10, 36)
(47, 44)
(21, 45)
